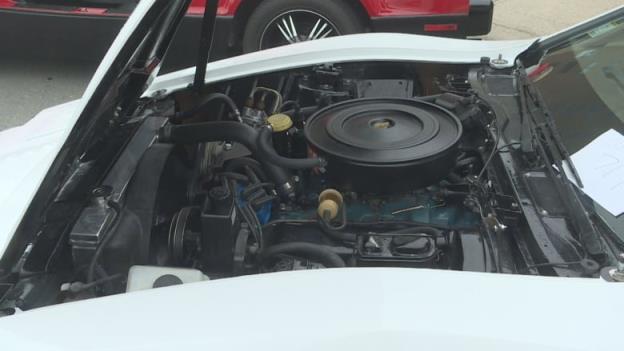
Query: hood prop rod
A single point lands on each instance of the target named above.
(205, 43)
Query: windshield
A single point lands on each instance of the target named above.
(582, 82)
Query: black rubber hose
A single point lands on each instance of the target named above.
(210, 131)
(455, 178)
(107, 238)
(288, 103)
(204, 106)
(305, 111)
(310, 251)
(256, 187)
(337, 232)
(240, 163)
(235, 176)
(466, 162)
(219, 131)
(121, 215)
(266, 149)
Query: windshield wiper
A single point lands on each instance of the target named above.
(550, 148)
(547, 131)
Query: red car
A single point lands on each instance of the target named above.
(86, 28)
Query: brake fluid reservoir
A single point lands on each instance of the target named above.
(281, 125)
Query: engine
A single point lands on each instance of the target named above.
(378, 164)
(309, 169)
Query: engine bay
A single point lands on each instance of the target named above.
(310, 169)
(350, 165)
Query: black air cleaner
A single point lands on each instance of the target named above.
(383, 145)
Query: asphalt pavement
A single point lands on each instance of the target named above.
(29, 85)
(525, 19)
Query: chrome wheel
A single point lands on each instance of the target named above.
(296, 26)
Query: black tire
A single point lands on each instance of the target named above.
(338, 13)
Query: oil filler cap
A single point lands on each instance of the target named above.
(280, 122)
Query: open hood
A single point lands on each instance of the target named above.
(288, 162)
(141, 47)
(125, 72)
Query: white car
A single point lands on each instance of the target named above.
(366, 192)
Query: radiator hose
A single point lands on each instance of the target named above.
(222, 131)
(265, 146)
(275, 165)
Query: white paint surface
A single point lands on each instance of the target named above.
(339, 309)
(349, 48)
(345, 309)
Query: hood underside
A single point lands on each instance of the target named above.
(370, 47)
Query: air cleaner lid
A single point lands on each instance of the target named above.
(383, 131)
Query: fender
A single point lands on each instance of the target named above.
(383, 8)
(227, 8)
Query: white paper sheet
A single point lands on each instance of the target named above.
(601, 168)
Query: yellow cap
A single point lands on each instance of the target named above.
(330, 202)
(280, 122)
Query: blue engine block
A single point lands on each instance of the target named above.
(419, 207)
